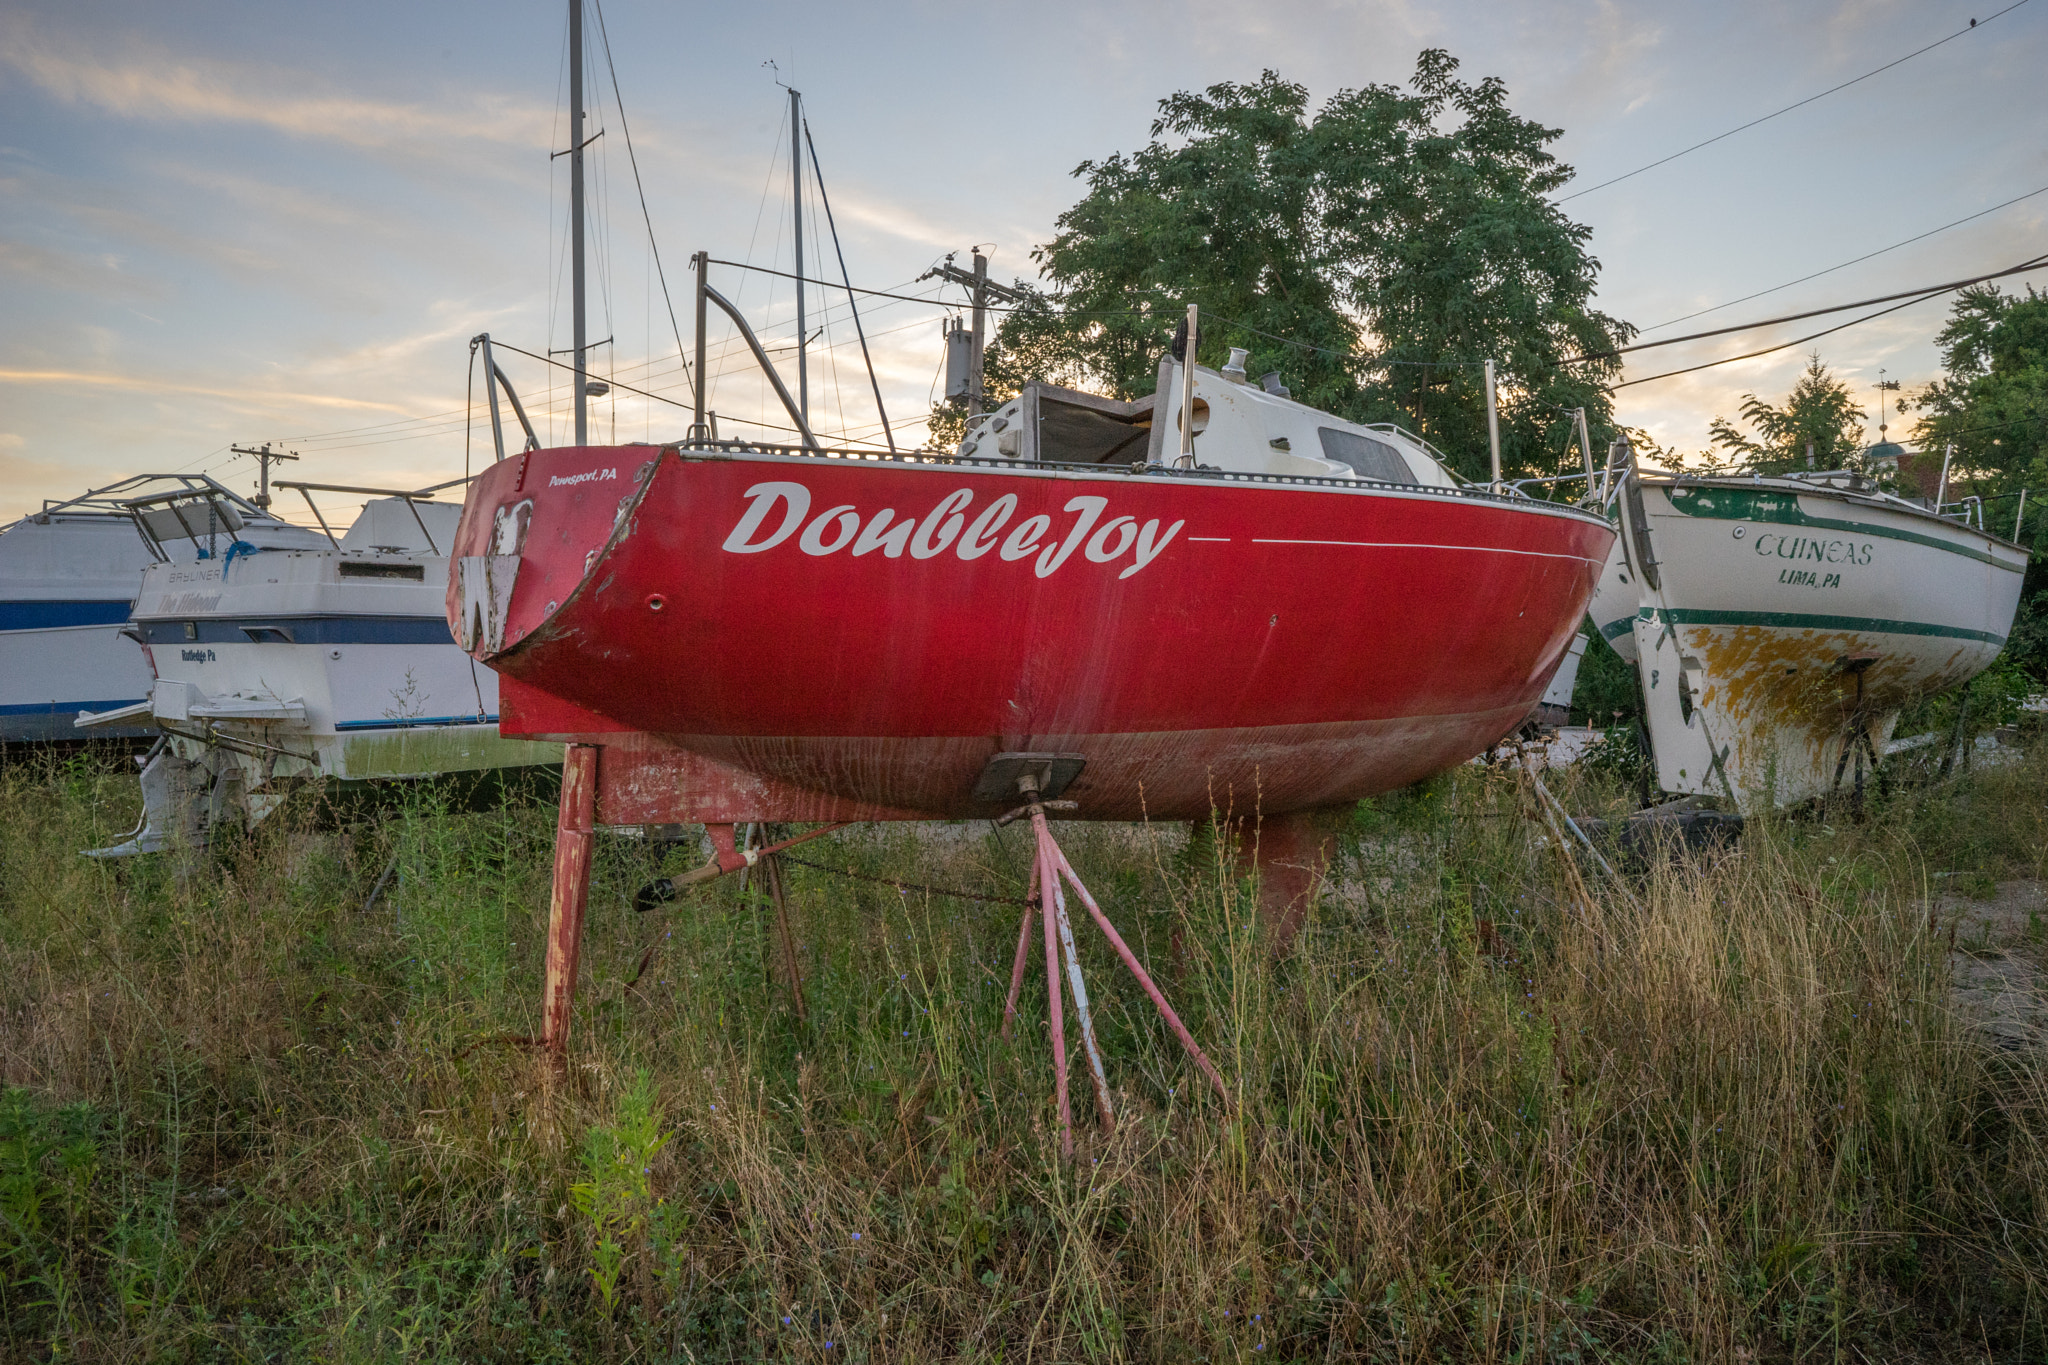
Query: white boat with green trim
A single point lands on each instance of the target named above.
(1782, 623)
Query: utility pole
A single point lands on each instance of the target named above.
(576, 213)
(796, 199)
(264, 458)
(982, 289)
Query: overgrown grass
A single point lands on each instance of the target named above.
(1725, 1115)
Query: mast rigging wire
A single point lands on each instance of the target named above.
(859, 330)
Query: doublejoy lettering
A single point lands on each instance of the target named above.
(948, 526)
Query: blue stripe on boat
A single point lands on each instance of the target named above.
(303, 630)
(57, 615)
(71, 708)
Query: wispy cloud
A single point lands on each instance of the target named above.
(99, 274)
(155, 85)
(253, 399)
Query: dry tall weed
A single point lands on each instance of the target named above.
(1723, 1112)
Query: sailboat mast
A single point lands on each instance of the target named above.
(576, 214)
(796, 196)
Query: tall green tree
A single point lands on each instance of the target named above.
(1992, 404)
(1374, 251)
(1818, 415)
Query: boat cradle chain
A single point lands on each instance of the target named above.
(727, 859)
(983, 897)
(667, 888)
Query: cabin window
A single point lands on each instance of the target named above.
(417, 573)
(1060, 426)
(1372, 459)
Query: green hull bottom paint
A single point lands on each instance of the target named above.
(1794, 620)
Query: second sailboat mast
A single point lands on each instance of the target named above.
(576, 214)
(796, 196)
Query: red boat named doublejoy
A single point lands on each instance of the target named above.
(1210, 598)
(1306, 612)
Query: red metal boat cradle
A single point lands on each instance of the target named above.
(730, 634)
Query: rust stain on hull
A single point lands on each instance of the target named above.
(1787, 702)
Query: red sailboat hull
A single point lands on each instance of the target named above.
(797, 637)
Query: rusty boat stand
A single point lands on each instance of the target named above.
(1051, 876)
(574, 827)
(1049, 868)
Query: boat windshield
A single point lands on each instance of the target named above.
(1368, 457)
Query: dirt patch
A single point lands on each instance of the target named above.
(1999, 965)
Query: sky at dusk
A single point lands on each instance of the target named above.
(229, 223)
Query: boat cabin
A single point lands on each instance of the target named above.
(1240, 427)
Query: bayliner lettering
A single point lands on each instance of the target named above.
(951, 524)
(587, 476)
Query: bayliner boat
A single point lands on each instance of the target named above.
(68, 574)
(331, 663)
(1780, 624)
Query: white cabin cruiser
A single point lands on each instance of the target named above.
(331, 664)
(1781, 623)
(68, 575)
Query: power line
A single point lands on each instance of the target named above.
(1974, 25)
(1926, 289)
(1853, 261)
(1815, 336)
